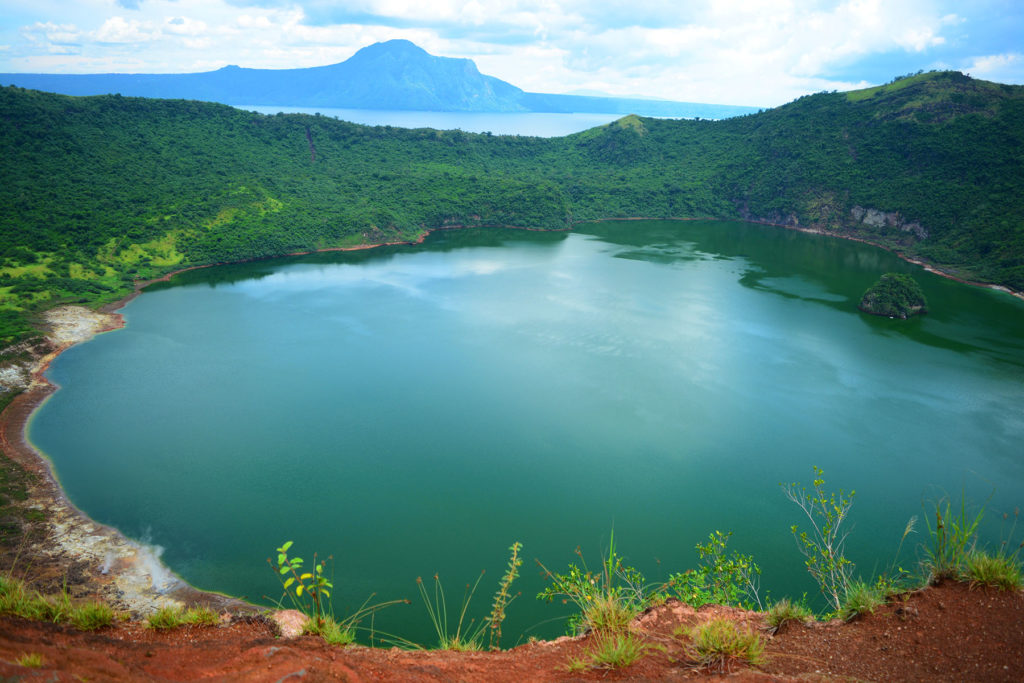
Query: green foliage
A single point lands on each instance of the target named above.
(470, 639)
(101, 191)
(996, 571)
(503, 597)
(785, 611)
(895, 295)
(823, 548)
(953, 537)
(861, 598)
(201, 616)
(310, 593)
(719, 643)
(307, 590)
(606, 599)
(17, 599)
(169, 617)
(469, 636)
(91, 616)
(610, 650)
(331, 631)
(732, 579)
(166, 618)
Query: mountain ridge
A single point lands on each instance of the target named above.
(101, 192)
(395, 74)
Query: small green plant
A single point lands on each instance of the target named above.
(785, 612)
(503, 597)
(331, 631)
(721, 642)
(166, 618)
(824, 547)
(201, 616)
(721, 579)
(469, 636)
(996, 571)
(92, 616)
(302, 586)
(952, 539)
(613, 595)
(466, 637)
(18, 599)
(310, 593)
(31, 660)
(610, 650)
(861, 598)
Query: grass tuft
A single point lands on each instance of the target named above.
(720, 642)
(610, 650)
(201, 616)
(861, 598)
(165, 618)
(785, 612)
(996, 571)
(92, 616)
(331, 631)
(31, 660)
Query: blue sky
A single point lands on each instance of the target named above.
(761, 53)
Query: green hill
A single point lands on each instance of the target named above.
(98, 191)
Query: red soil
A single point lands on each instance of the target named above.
(945, 633)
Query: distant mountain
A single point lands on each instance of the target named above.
(395, 74)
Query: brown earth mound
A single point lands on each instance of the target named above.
(949, 632)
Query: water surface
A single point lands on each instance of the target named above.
(414, 410)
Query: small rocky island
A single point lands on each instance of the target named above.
(895, 295)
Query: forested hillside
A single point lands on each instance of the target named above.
(99, 191)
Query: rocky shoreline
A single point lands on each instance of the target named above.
(94, 560)
(66, 549)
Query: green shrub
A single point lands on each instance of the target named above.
(719, 579)
(613, 595)
(824, 548)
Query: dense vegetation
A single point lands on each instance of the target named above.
(100, 191)
(896, 295)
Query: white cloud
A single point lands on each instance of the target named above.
(50, 32)
(185, 26)
(761, 52)
(120, 30)
(1004, 68)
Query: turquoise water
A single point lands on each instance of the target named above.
(413, 410)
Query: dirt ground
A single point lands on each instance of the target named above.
(950, 632)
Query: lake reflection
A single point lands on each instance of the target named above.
(414, 410)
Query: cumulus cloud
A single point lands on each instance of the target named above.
(760, 52)
(1004, 68)
(120, 30)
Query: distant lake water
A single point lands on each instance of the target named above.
(534, 124)
(415, 410)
